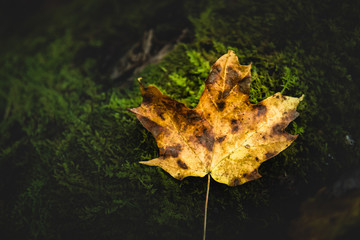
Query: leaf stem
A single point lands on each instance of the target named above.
(206, 206)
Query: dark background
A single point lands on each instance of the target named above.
(69, 149)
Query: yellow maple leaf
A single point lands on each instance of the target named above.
(224, 135)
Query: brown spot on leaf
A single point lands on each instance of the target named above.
(278, 128)
(167, 101)
(213, 76)
(181, 164)
(256, 159)
(206, 139)
(244, 85)
(162, 116)
(147, 98)
(253, 175)
(231, 77)
(217, 68)
(261, 109)
(179, 107)
(221, 139)
(220, 95)
(234, 126)
(170, 151)
(234, 129)
(192, 117)
(221, 105)
(153, 127)
(224, 94)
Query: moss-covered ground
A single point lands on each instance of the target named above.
(69, 149)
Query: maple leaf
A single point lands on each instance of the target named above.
(224, 135)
